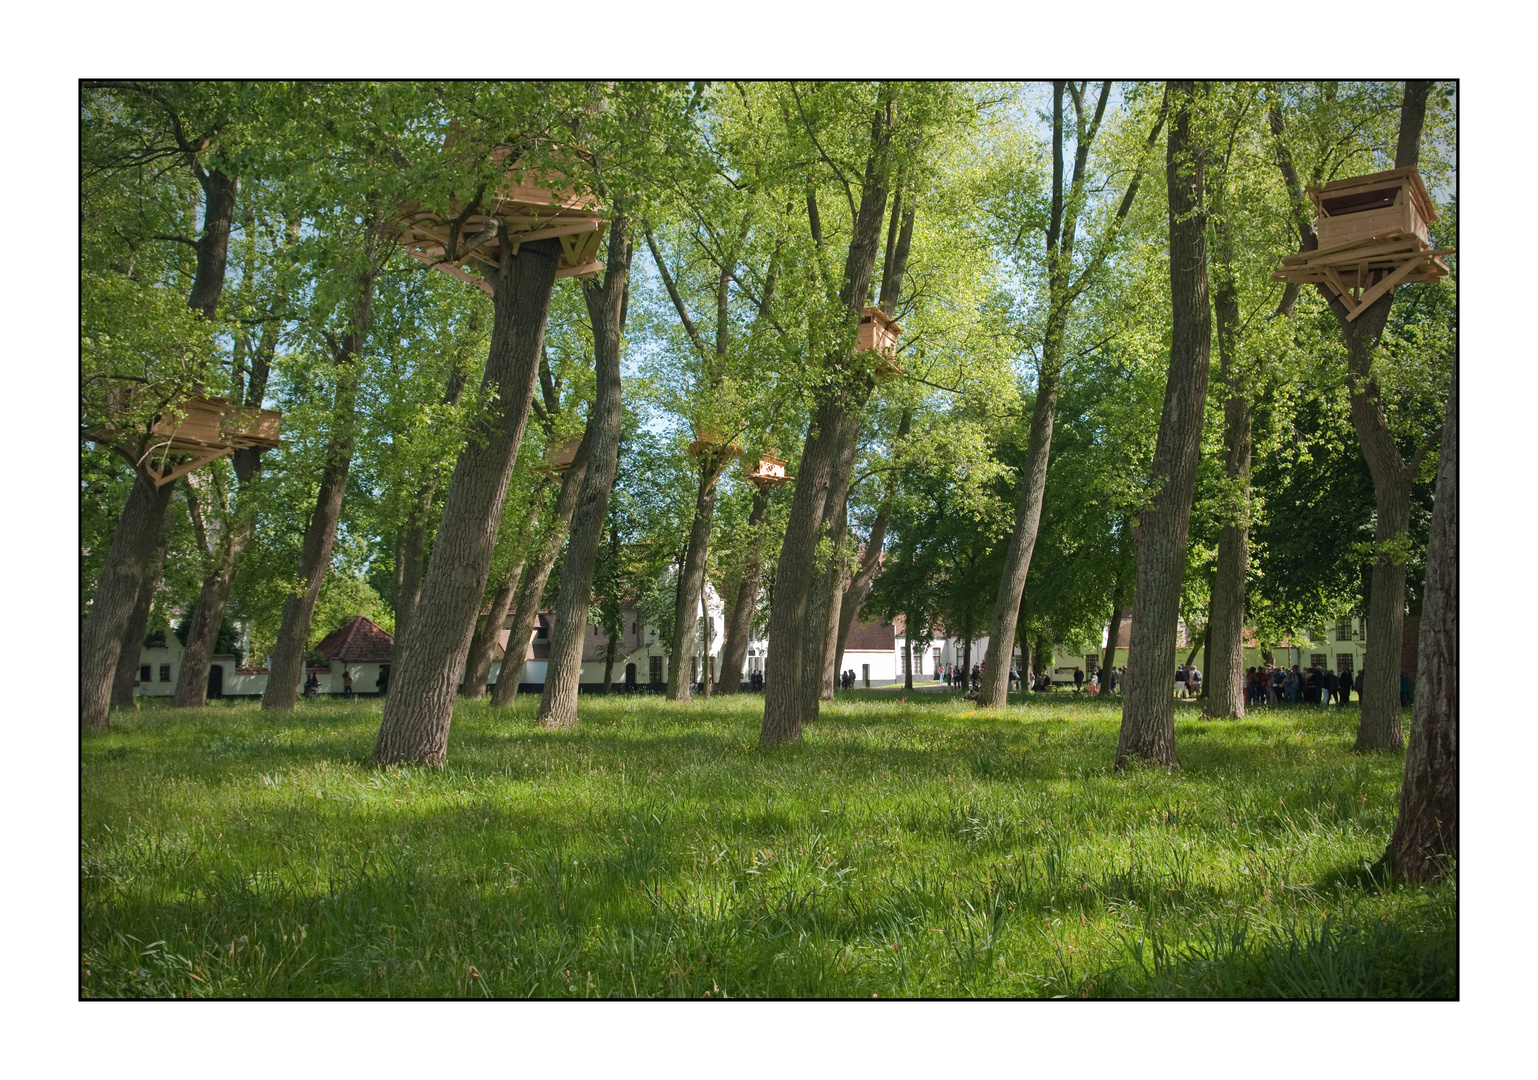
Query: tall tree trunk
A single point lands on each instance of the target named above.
(208, 615)
(117, 592)
(1022, 542)
(531, 590)
(835, 422)
(692, 578)
(415, 725)
(1062, 291)
(606, 305)
(411, 546)
(287, 667)
(827, 588)
(739, 621)
(138, 623)
(1118, 615)
(1425, 841)
(483, 644)
(1224, 680)
(286, 670)
(1148, 708)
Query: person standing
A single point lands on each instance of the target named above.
(1078, 680)
(346, 683)
(1194, 683)
(1344, 685)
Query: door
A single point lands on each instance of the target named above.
(216, 681)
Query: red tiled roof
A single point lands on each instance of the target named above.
(871, 637)
(359, 640)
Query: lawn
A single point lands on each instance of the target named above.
(905, 849)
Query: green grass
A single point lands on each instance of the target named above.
(905, 849)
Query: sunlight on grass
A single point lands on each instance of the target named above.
(912, 848)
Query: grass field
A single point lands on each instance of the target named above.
(905, 849)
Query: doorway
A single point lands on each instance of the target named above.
(216, 681)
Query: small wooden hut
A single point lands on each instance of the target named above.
(709, 441)
(765, 470)
(1373, 235)
(878, 333)
(529, 205)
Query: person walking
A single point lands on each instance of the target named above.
(1078, 680)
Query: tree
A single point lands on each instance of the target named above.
(1392, 475)
(1425, 841)
(131, 126)
(1063, 287)
(606, 302)
(1148, 708)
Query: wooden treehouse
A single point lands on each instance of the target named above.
(765, 470)
(208, 429)
(878, 333)
(560, 455)
(708, 441)
(1373, 235)
(529, 205)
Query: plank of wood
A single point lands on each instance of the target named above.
(1372, 294)
(1340, 288)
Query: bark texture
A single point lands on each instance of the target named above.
(1148, 707)
(1425, 841)
(117, 592)
(606, 310)
(425, 676)
(739, 620)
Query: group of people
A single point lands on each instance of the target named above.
(1270, 685)
(846, 679)
(1188, 681)
(953, 675)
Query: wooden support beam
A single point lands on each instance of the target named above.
(1340, 289)
(1374, 293)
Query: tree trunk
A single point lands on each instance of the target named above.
(411, 547)
(826, 589)
(835, 422)
(1224, 682)
(788, 624)
(691, 580)
(213, 246)
(870, 562)
(286, 670)
(606, 309)
(739, 621)
(1425, 841)
(117, 593)
(127, 674)
(1148, 709)
(1118, 616)
(1022, 542)
(483, 644)
(208, 616)
(531, 592)
(415, 725)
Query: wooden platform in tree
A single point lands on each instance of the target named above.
(190, 435)
(560, 455)
(528, 206)
(1373, 235)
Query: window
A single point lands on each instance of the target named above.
(1344, 661)
(1316, 633)
(654, 669)
(937, 660)
(1343, 630)
(144, 673)
(165, 672)
(1318, 660)
(1091, 662)
(540, 633)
